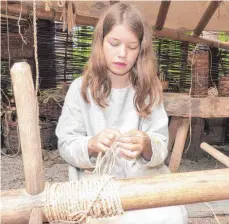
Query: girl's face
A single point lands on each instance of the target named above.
(121, 49)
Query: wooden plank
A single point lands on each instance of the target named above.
(215, 153)
(28, 122)
(156, 191)
(181, 105)
(206, 17)
(161, 17)
(179, 144)
(199, 210)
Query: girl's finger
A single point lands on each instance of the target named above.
(102, 147)
(110, 135)
(129, 146)
(114, 131)
(132, 140)
(128, 154)
(106, 141)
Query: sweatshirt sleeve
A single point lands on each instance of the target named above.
(71, 131)
(156, 126)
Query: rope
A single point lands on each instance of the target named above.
(55, 94)
(79, 201)
(212, 91)
(19, 26)
(35, 43)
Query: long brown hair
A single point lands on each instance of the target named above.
(143, 75)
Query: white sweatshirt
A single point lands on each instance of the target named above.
(80, 121)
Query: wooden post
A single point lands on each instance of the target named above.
(215, 153)
(194, 152)
(28, 121)
(36, 216)
(179, 145)
(173, 126)
(156, 191)
(161, 17)
(206, 17)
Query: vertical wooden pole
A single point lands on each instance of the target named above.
(173, 126)
(36, 216)
(28, 121)
(179, 145)
(197, 131)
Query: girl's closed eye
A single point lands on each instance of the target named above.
(114, 43)
(133, 46)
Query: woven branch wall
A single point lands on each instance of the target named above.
(62, 56)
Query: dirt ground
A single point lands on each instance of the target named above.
(56, 169)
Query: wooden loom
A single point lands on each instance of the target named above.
(23, 205)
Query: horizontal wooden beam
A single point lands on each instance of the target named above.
(177, 35)
(157, 191)
(161, 17)
(11, 17)
(206, 17)
(178, 104)
(15, 9)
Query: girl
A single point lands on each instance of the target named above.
(119, 97)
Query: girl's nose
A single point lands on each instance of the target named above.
(122, 51)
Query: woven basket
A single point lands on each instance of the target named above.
(224, 86)
(15, 45)
(165, 85)
(200, 74)
(47, 132)
(48, 136)
(50, 109)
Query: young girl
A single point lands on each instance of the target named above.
(118, 98)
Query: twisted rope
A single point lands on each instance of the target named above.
(78, 201)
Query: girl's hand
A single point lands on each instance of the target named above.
(135, 143)
(103, 141)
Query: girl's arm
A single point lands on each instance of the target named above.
(148, 144)
(71, 131)
(157, 129)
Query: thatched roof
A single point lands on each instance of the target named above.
(182, 15)
(170, 19)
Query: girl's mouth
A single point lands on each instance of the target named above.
(120, 64)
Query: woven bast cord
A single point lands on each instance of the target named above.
(77, 201)
(95, 196)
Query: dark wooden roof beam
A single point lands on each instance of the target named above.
(161, 17)
(178, 35)
(206, 17)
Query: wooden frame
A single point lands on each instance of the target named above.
(156, 191)
(183, 105)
